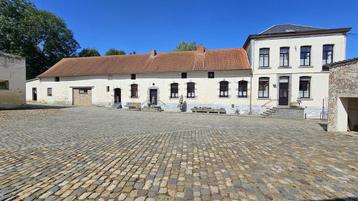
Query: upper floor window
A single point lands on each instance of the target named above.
(211, 75)
(190, 90)
(264, 57)
(134, 90)
(242, 88)
(284, 56)
(49, 91)
(305, 87)
(264, 83)
(305, 56)
(184, 75)
(327, 56)
(174, 90)
(57, 79)
(4, 85)
(224, 89)
(133, 76)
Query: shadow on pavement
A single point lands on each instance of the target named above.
(36, 107)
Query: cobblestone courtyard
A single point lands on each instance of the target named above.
(103, 154)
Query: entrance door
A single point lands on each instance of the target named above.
(82, 96)
(34, 94)
(283, 90)
(153, 95)
(117, 95)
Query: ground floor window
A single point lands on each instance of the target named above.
(49, 91)
(190, 90)
(264, 83)
(305, 87)
(174, 90)
(224, 89)
(134, 90)
(242, 88)
(4, 85)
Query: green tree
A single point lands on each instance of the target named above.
(88, 52)
(114, 51)
(186, 46)
(39, 36)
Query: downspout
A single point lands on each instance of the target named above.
(252, 74)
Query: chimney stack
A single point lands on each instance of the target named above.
(153, 53)
(200, 49)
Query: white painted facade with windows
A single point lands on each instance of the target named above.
(315, 100)
(12, 80)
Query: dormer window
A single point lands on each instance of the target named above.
(264, 57)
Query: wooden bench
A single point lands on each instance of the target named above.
(134, 106)
(208, 110)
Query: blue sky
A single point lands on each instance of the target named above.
(142, 25)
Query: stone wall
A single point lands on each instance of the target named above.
(343, 82)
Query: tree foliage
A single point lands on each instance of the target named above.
(186, 46)
(114, 51)
(88, 52)
(39, 36)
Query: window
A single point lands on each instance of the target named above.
(242, 88)
(133, 76)
(305, 87)
(264, 87)
(57, 79)
(83, 91)
(108, 89)
(49, 91)
(305, 56)
(184, 75)
(190, 90)
(327, 56)
(224, 89)
(211, 75)
(284, 56)
(4, 85)
(174, 89)
(134, 90)
(264, 57)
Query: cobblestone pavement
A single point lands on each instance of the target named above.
(106, 154)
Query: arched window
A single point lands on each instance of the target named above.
(134, 90)
(174, 90)
(264, 83)
(305, 87)
(190, 90)
(224, 89)
(242, 88)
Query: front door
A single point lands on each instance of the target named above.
(117, 95)
(153, 96)
(283, 91)
(34, 94)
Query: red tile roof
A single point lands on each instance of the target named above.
(187, 61)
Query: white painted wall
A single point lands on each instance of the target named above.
(207, 90)
(12, 69)
(319, 79)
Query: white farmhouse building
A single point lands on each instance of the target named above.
(281, 67)
(12, 80)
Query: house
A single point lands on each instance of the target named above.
(343, 96)
(12, 81)
(287, 66)
(281, 68)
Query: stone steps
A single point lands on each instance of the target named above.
(284, 113)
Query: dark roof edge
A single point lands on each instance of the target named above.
(300, 33)
(342, 63)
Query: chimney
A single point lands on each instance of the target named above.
(200, 49)
(153, 53)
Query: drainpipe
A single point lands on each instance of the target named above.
(250, 94)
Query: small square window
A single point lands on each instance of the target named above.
(184, 75)
(211, 75)
(4, 85)
(108, 89)
(57, 79)
(49, 91)
(133, 76)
